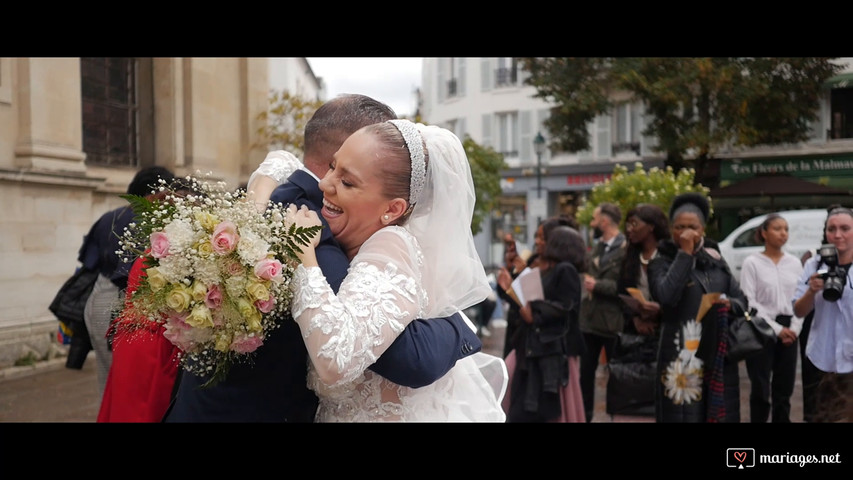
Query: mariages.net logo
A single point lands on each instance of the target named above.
(742, 458)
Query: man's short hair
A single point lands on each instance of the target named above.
(611, 210)
(339, 118)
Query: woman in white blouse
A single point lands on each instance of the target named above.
(769, 280)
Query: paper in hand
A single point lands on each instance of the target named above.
(636, 293)
(708, 300)
(528, 286)
(634, 304)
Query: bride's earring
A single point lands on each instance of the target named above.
(385, 217)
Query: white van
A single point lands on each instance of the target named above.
(805, 232)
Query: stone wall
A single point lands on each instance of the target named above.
(204, 114)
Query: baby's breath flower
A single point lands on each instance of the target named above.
(210, 300)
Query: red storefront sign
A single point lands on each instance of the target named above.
(587, 179)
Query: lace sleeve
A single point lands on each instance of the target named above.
(381, 294)
(271, 173)
(278, 165)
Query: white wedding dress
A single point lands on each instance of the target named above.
(345, 334)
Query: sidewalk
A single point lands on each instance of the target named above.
(50, 392)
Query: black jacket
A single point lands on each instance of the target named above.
(543, 347)
(677, 281)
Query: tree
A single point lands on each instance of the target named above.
(486, 166)
(696, 105)
(284, 122)
(627, 189)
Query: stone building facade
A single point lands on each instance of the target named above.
(194, 114)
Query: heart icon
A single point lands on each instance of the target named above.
(740, 456)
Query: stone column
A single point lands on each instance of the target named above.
(169, 113)
(50, 135)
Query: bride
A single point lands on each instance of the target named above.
(399, 197)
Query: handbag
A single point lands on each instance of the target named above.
(749, 333)
(632, 375)
(70, 300)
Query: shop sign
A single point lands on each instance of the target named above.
(806, 166)
(587, 178)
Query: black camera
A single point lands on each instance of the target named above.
(834, 275)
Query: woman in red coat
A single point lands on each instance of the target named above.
(144, 368)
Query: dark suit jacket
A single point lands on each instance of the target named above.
(273, 388)
(98, 251)
(601, 313)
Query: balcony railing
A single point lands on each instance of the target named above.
(626, 147)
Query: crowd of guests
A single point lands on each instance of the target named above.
(636, 308)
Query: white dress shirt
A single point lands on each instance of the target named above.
(830, 345)
(770, 286)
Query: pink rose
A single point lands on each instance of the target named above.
(178, 332)
(213, 299)
(269, 269)
(234, 268)
(159, 245)
(265, 306)
(225, 238)
(246, 344)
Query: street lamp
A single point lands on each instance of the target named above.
(539, 148)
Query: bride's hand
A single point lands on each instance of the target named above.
(304, 217)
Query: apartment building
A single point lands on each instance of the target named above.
(485, 98)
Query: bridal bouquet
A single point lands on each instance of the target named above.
(216, 274)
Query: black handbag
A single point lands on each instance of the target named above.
(748, 332)
(632, 375)
(70, 300)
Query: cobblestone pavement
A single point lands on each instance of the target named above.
(49, 392)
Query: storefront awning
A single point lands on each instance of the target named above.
(844, 80)
(774, 185)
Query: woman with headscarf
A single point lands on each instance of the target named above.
(698, 384)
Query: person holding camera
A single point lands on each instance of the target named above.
(769, 279)
(823, 288)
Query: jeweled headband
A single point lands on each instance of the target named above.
(416, 153)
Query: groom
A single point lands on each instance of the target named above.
(272, 388)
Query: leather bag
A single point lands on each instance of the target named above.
(70, 300)
(632, 375)
(748, 332)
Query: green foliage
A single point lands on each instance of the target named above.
(578, 88)
(284, 122)
(486, 165)
(145, 217)
(299, 236)
(31, 358)
(627, 189)
(696, 105)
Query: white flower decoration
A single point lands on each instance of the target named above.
(683, 382)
